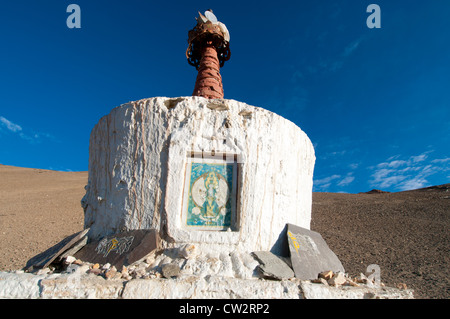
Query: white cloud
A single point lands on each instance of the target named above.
(393, 157)
(414, 183)
(351, 47)
(339, 153)
(405, 174)
(326, 179)
(392, 161)
(384, 178)
(392, 164)
(325, 183)
(330, 65)
(346, 181)
(10, 125)
(419, 158)
(441, 160)
(27, 135)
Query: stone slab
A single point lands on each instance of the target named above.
(272, 266)
(120, 249)
(45, 258)
(75, 248)
(310, 254)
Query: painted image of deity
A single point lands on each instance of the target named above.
(209, 195)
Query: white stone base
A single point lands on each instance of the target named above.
(65, 286)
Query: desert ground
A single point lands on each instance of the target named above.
(406, 234)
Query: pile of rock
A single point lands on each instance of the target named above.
(151, 268)
(330, 278)
(134, 265)
(168, 263)
(71, 265)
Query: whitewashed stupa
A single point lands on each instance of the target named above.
(202, 170)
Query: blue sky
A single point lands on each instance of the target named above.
(374, 102)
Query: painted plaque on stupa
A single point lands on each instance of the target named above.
(210, 194)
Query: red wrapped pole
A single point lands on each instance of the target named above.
(207, 51)
(209, 80)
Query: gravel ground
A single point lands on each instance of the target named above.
(405, 233)
(38, 208)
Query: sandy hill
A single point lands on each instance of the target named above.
(38, 208)
(405, 233)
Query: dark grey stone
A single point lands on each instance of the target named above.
(310, 254)
(45, 258)
(170, 270)
(272, 266)
(120, 249)
(75, 248)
